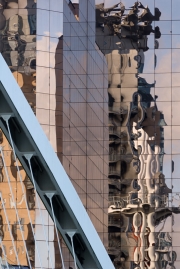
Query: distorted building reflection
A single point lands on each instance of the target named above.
(18, 43)
(14, 231)
(139, 198)
(41, 50)
(71, 104)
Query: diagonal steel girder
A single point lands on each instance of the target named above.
(50, 177)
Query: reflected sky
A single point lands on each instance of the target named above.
(144, 123)
(141, 44)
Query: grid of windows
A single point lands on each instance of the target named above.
(126, 136)
(85, 112)
(50, 48)
(140, 44)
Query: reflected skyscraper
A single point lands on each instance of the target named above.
(139, 196)
(103, 81)
(50, 48)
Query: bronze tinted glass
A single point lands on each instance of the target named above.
(141, 45)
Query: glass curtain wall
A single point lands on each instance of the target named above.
(50, 48)
(16, 237)
(18, 47)
(18, 43)
(140, 41)
(85, 112)
(29, 46)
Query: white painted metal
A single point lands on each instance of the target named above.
(16, 210)
(9, 228)
(6, 118)
(4, 254)
(50, 196)
(79, 213)
(71, 234)
(28, 157)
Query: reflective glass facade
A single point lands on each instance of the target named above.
(50, 48)
(85, 113)
(104, 83)
(140, 44)
(15, 228)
